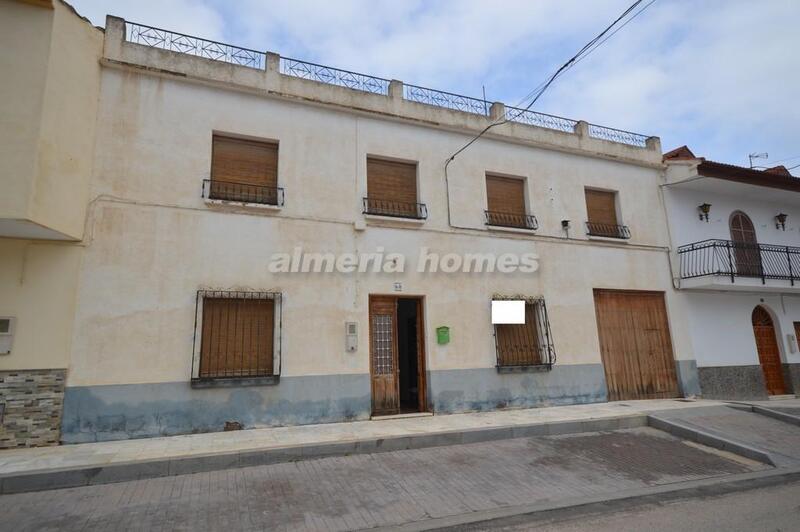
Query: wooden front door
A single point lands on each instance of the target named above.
(746, 254)
(635, 345)
(768, 353)
(383, 355)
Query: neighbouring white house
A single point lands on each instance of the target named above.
(736, 234)
(163, 192)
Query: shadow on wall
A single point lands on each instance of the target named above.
(115, 412)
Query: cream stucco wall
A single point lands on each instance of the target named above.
(37, 286)
(48, 102)
(153, 242)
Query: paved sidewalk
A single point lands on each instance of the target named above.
(105, 454)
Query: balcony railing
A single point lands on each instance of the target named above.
(448, 100)
(739, 259)
(508, 219)
(608, 230)
(334, 76)
(218, 51)
(395, 209)
(617, 135)
(186, 44)
(242, 192)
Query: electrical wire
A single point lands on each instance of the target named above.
(537, 92)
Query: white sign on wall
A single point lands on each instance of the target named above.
(508, 312)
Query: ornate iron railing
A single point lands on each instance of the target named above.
(334, 76)
(242, 192)
(617, 135)
(396, 209)
(187, 44)
(531, 118)
(509, 219)
(607, 230)
(739, 259)
(448, 100)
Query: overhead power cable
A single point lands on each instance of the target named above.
(537, 92)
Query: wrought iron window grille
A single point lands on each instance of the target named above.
(526, 352)
(252, 368)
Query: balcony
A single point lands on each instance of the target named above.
(511, 220)
(244, 193)
(729, 265)
(395, 209)
(608, 230)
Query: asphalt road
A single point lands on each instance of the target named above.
(774, 508)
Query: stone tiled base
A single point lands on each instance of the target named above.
(31, 402)
(732, 382)
(791, 376)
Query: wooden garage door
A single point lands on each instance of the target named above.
(635, 345)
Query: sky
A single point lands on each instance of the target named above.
(721, 76)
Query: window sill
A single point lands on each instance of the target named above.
(235, 382)
(243, 205)
(506, 229)
(399, 220)
(538, 368)
(617, 239)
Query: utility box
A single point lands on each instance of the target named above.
(351, 336)
(443, 335)
(6, 334)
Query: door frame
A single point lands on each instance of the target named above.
(422, 369)
(775, 337)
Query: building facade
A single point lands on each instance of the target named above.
(264, 241)
(737, 264)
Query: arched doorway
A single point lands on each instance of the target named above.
(746, 254)
(768, 354)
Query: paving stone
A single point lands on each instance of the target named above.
(381, 489)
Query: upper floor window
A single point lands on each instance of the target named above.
(505, 202)
(601, 209)
(244, 170)
(392, 189)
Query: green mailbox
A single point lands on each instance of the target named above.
(443, 335)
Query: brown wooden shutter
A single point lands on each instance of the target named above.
(391, 181)
(518, 344)
(237, 337)
(244, 161)
(601, 207)
(505, 195)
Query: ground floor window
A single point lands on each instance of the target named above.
(237, 334)
(528, 344)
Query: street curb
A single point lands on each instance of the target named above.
(609, 502)
(764, 411)
(56, 478)
(688, 432)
